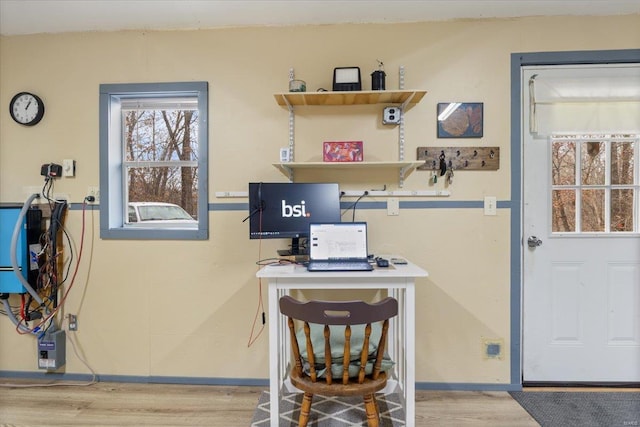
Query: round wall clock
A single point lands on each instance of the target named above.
(26, 108)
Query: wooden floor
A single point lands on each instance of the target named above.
(126, 404)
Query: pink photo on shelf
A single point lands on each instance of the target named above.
(342, 151)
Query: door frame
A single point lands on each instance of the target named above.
(519, 60)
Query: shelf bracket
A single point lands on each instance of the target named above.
(292, 127)
(401, 127)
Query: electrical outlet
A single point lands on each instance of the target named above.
(391, 115)
(73, 322)
(95, 192)
(28, 191)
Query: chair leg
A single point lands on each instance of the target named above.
(370, 405)
(376, 403)
(305, 409)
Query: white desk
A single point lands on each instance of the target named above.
(398, 280)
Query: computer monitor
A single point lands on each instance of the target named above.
(280, 210)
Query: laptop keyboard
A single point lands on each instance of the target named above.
(338, 266)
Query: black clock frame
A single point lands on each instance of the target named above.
(38, 116)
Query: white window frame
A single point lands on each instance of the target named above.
(112, 177)
(607, 138)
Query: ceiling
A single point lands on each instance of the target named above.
(56, 16)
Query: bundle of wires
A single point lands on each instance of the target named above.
(49, 262)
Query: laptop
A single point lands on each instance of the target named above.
(340, 246)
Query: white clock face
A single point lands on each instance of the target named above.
(25, 108)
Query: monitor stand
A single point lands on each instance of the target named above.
(295, 250)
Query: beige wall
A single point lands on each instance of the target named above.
(185, 308)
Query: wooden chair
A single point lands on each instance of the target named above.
(312, 370)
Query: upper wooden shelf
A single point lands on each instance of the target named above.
(361, 97)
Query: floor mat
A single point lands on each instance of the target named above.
(592, 409)
(330, 411)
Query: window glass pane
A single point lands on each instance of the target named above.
(160, 135)
(563, 212)
(592, 210)
(622, 167)
(593, 157)
(622, 209)
(563, 162)
(176, 185)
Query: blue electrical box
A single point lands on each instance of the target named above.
(29, 236)
(9, 283)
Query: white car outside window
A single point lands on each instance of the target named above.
(158, 213)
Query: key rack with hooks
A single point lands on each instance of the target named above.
(459, 158)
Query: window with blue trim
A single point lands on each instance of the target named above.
(153, 161)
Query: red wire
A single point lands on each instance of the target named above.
(23, 315)
(260, 306)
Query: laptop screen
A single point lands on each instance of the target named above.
(338, 241)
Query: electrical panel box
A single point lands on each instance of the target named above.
(52, 350)
(27, 247)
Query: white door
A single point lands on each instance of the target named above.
(581, 254)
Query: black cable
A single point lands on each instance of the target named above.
(353, 218)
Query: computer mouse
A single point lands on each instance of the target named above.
(381, 262)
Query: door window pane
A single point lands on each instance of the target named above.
(592, 210)
(593, 163)
(622, 166)
(622, 210)
(563, 160)
(563, 211)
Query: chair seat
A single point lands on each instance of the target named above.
(337, 388)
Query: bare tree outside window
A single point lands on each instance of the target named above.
(597, 190)
(161, 149)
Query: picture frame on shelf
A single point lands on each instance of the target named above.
(342, 151)
(460, 119)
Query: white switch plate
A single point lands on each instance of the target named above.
(490, 207)
(68, 167)
(393, 206)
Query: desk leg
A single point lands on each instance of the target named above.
(410, 352)
(274, 345)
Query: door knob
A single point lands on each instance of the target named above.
(533, 242)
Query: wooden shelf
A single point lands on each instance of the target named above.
(404, 99)
(364, 97)
(405, 168)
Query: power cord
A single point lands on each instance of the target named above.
(260, 311)
(353, 206)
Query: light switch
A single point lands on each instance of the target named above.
(68, 167)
